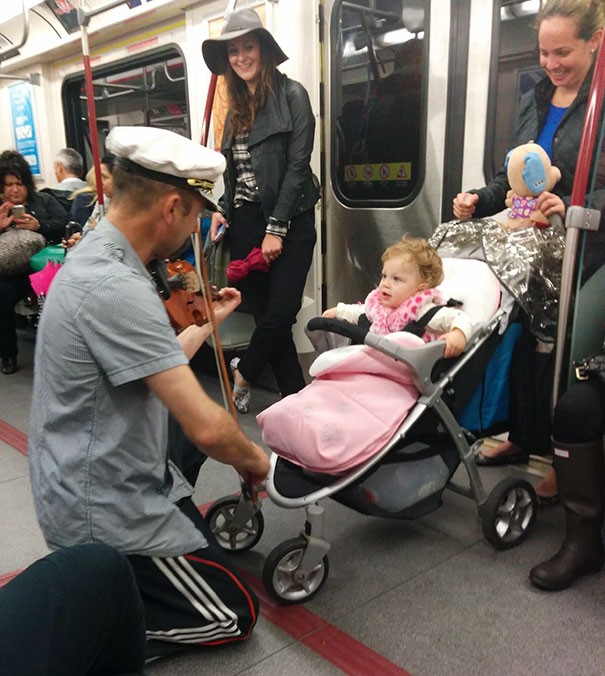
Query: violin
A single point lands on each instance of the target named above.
(180, 286)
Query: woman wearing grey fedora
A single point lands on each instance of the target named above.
(269, 196)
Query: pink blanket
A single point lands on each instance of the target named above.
(347, 414)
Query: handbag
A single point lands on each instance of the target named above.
(17, 246)
(591, 368)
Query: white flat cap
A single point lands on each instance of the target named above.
(164, 156)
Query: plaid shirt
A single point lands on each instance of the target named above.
(246, 189)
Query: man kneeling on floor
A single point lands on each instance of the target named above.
(108, 369)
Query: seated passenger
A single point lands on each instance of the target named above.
(107, 185)
(83, 200)
(42, 214)
(411, 270)
(75, 612)
(69, 167)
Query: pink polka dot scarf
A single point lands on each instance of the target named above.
(389, 320)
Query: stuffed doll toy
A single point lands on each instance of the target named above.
(529, 173)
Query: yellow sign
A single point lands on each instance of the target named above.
(385, 171)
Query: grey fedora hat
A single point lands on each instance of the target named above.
(214, 50)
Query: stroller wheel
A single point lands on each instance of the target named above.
(509, 513)
(282, 577)
(229, 535)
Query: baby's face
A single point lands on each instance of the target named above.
(400, 280)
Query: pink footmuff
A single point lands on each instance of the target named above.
(347, 413)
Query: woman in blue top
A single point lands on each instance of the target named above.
(569, 34)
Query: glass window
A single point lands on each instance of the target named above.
(379, 53)
(148, 92)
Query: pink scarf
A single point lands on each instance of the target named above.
(389, 320)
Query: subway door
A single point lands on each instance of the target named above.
(386, 86)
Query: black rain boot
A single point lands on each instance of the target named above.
(580, 472)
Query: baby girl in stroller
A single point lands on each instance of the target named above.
(407, 307)
(406, 299)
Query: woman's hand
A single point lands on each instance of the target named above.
(272, 247)
(6, 219)
(27, 222)
(549, 203)
(465, 204)
(217, 220)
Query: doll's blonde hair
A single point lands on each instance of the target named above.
(420, 252)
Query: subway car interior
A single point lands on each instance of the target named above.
(414, 102)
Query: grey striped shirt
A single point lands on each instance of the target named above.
(98, 436)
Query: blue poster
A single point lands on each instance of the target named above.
(24, 129)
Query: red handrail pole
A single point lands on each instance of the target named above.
(572, 235)
(208, 109)
(90, 104)
(589, 132)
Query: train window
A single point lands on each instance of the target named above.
(379, 52)
(148, 92)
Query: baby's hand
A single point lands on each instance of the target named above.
(455, 342)
(330, 313)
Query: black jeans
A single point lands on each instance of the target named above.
(12, 290)
(77, 611)
(274, 298)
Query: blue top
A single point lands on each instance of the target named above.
(546, 135)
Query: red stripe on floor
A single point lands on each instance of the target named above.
(349, 655)
(332, 644)
(13, 437)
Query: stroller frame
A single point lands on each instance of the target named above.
(296, 569)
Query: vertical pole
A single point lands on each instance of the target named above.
(578, 196)
(83, 20)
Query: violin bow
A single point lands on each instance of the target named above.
(200, 260)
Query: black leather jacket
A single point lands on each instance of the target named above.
(566, 143)
(280, 146)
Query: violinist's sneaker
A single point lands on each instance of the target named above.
(241, 395)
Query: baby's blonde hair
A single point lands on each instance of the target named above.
(420, 252)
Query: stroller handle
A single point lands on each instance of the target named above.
(339, 326)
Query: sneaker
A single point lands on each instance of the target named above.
(241, 395)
